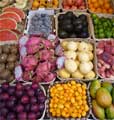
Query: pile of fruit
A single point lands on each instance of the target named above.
(21, 102)
(68, 100)
(105, 56)
(102, 99)
(76, 61)
(12, 22)
(101, 6)
(74, 4)
(72, 26)
(9, 57)
(45, 4)
(103, 26)
(38, 61)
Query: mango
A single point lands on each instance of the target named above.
(97, 110)
(95, 85)
(110, 112)
(103, 97)
(107, 85)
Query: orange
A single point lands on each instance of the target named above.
(93, 1)
(99, 10)
(110, 10)
(101, 3)
(96, 5)
(107, 6)
(104, 11)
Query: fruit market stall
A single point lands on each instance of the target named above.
(56, 59)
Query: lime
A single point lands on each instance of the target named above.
(101, 35)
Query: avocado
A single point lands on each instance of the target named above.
(95, 85)
(78, 28)
(68, 27)
(98, 111)
(69, 15)
(110, 112)
(63, 34)
(73, 35)
(77, 22)
(83, 17)
(84, 34)
(107, 85)
(61, 17)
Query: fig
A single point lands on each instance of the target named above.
(3, 58)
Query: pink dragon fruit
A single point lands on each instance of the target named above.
(27, 75)
(37, 79)
(47, 44)
(33, 45)
(46, 54)
(53, 64)
(29, 62)
(50, 77)
(43, 68)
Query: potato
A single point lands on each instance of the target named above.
(3, 58)
(12, 58)
(5, 74)
(2, 67)
(10, 66)
(6, 49)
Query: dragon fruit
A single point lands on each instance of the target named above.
(47, 44)
(33, 44)
(53, 64)
(37, 79)
(27, 75)
(43, 67)
(50, 77)
(46, 54)
(29, 62)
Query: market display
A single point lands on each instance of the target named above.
(72, 26)
(56, 59)
(68, 95)
(74, 4)
(78, 60)
(103, 26)
(105, 53)
(9, 57)
(21, 101)
(102, 108)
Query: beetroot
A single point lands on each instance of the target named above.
(29, 62)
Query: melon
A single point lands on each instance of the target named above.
(16, 10)
(12, 15)
(7, 35)
(8, 23)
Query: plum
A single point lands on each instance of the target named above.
(30, 92)
(19, 108)
(4, 111)
(22, 116)
(19, 86)
(34, 108)
(11, 90)
(33, 100)
(25, 99)
(32, 116)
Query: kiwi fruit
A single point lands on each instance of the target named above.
(10, 66)
(2, 67)
(3, 58)
(6, 49)
(14, 49)
(5, 74)
(11, 78)
(12, 58)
